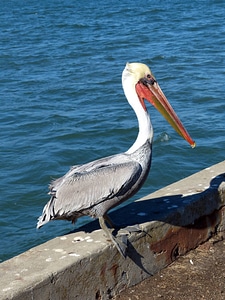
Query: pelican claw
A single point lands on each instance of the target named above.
(120, 242)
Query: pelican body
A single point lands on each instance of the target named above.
(94, 188)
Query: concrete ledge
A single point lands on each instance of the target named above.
(84, 265)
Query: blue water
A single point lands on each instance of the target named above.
(62, 102)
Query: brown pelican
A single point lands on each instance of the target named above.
(95, 187)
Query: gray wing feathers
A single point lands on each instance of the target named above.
(83, 190)
(87, 185)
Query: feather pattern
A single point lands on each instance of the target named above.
(93, 188)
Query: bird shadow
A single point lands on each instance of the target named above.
(158, 209)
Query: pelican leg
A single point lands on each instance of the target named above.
(120, 245)
(109, 221)
(128, 229)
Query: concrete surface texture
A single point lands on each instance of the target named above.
(84, 265)
(199, 275)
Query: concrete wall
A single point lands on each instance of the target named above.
(84, 265)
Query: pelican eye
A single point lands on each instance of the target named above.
(150, 79)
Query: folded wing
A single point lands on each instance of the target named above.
(85, 186)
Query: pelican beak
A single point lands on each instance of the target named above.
(148, 88)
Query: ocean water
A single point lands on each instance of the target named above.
(62, 101)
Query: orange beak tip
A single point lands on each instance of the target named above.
(193, 145)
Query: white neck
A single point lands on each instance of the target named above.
(145, 125)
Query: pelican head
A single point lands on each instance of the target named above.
(140, 79)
